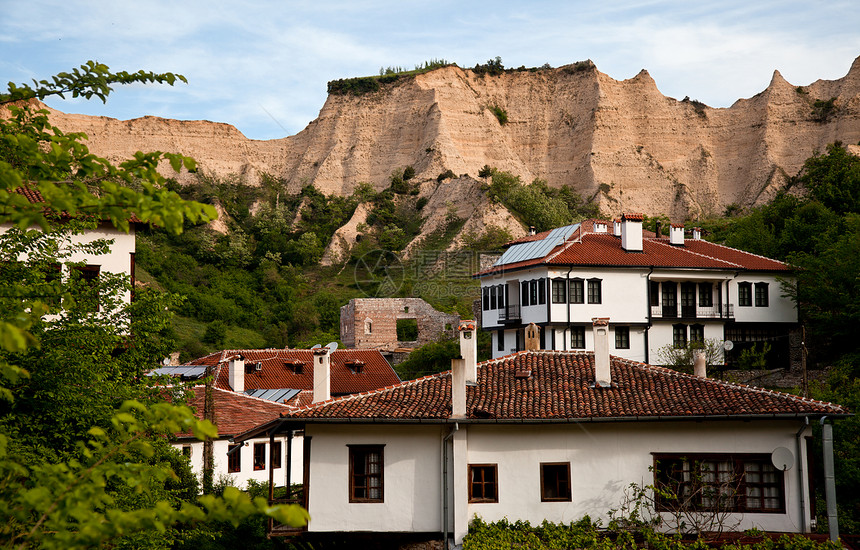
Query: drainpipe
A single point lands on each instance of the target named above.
(648, 305)
(445, 485)
(829, 481)
(567, 299)
(800, 454)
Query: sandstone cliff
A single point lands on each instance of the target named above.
(622, 142)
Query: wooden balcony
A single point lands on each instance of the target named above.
(691, 312)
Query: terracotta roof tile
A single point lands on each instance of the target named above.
(560, 386)
(234, 412)
(278, 371)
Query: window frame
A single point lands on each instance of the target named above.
(357, 452)
(706, 294)
(745, 294)
(761, 295)
(234, 458)
(595, 291)
(697, 333)
(558, 467)
(739, 496)
(259, 455)
(500, 340)
(483, 483)
(622, 337)
(578, 331)
(559, 291)
(679, 340)
(277, 455)
(524, 293)
(576, 291)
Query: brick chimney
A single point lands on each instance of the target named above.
(676, 234)
(602, 375)
(322, 374)
(532, 337)
(236, 373)
(631, 232)
(464, 370)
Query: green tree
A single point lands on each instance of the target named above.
(62, 484)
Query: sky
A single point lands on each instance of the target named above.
(262, 66)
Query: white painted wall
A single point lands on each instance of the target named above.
(240, 479)
(604, 459)
(412, 473)
(779, 310)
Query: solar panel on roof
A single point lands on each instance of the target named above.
(278, 396)
(536, 249)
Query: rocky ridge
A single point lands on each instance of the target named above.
(621, 142)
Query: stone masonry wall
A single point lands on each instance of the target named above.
(371, 323)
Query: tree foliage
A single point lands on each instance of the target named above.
(83, 459)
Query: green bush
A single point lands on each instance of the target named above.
(447, 174)
(500, 113)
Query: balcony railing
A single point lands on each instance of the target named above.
(689, 312)
(295, 495)
(510, 313)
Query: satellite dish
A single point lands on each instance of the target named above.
(728, 345)
(331, 346)
(782, 459)
(316, 346)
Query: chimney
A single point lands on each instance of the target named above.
(464, 370)
(600, 226)
(616, 227)
(676, 234)
(631, 232)
(531, 230)
(602, 376)
(532, 337)
(697, 233)
(658, 230)
(700, 367)
(237, 373)
(322, 374)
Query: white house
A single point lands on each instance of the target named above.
(253, 386)
(657, 292)
(547, 435)
(118, 260)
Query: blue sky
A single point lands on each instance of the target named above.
(264, 68)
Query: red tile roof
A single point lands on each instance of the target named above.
(585, 248)
(34, 196)
(276, 374)
(235, 412)
(561, 387)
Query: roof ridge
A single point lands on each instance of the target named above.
(377, 391)
(745, 252)
(737, 385)
(664, 242)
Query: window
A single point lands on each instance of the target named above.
(679, 336)
(668, 294)
(745, 294)
(486, 295)
(541, 291)
(761, 298)
(493, 298)
(559, 296)
(276, 455)
(259, 456)
(697, 333)
(726, 483)
(483, 483)
(407, 330)
(577, 291)
(524, 293)
(622, 337)
(706, 295)
(594, 293)
(186, 451)
(500, 340)
(655, 293)
(533, 292)
(234, 458)
(500, 290)
(577, 337)
(555, 482)
(365, 473)
(368, 326)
